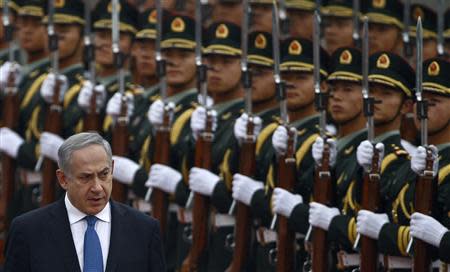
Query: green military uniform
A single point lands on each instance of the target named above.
(391, 70)
(297, 56)
(394, 237)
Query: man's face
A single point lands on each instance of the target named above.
(224, 73)
(338, 33)
(301, 93)
(180, 66)
(145, 57)
(301, 23)
(69, 39)
(221, 12)
(391, 104)
(32, 34)
(346, 101)
(383, 38)
(89, 183)
(438, 112)
(103, 46)
(263, 84)
(261, 17)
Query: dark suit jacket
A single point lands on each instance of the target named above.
(41, 240)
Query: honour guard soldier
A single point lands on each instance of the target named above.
(261, 15)
(385, 26)
(22, 145)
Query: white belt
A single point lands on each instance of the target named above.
(395, 262)
(223, 220)
(30, 177)
(184, 216)
(265, 235)
(352, 259)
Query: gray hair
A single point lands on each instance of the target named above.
(77, 142)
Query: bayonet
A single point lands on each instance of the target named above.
(440, 27)
(8, 30)
(355, 18)
(407, 48)
(280, 84)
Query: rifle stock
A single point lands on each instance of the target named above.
(371, 202)
(91, 121)
(53, 124)
(162, 156)
(200, 212)
(425, 192)
(242, 231)
(120, 148)
(286, 237)
(322, 194)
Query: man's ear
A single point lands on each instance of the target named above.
(62, 179)
(112, 167)
(408, 106)
(324, 86)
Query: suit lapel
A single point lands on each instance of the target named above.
(62, 236)
(116, 239)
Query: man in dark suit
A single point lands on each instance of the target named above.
(85, 231)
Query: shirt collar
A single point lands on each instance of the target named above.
(76, 215)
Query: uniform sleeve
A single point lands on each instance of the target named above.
(182, 193)
(221, 198)
(393, 239)
(444, 248)
(27, 155)
(17, 252)
(343, 231)
(138, 185)
(299, 218)
(260, 206)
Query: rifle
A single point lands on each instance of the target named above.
(322, 177)
(425, 184)
(285, 250)
(92, 118)
(355, 18)
(162, 152)
(120, 131)
(203, 148)
(407, 46)
(371, 183)
(10, 114)
(53, 119)
(440, 28)
(242, 231)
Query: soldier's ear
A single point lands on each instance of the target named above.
(408, 106)
(324, 85)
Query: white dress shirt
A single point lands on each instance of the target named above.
(78, 227)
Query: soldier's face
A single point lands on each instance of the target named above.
(392, 103)
(145, 57)
(429, 50)
(438, 113)
(345, 104)
(32, 34)
(384, 38)
(261, 17)
(89, 183)
(301, 93)
(301, 23)
(263, 84)
(222, 11)
(180, 66)
(224, 73)
(69, 39)
(103, 46)
(337, 33)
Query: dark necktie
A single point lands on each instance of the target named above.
(93, 260)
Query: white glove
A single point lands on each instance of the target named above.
(244, 188)
(283, 202)
(163, 177)
(202, 181)
(317, 151)
(48, 87)
(10, 142)
(115, 103)
(88, 89)
(426, 228)
(124, 169)
(280, 138)
(156, 112)
(209, 100)
(240, 127)
(198, 121)
(50, 144)
(418, 160)
(320, 215)
(6, 69)
(364, 154)
(369, 223)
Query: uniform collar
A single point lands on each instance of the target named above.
(343, 142)
(384, 136)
